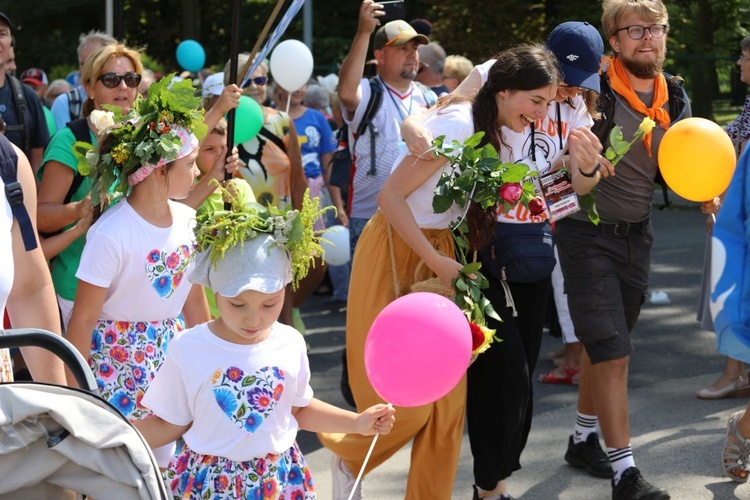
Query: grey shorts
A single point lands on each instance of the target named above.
(606, 269)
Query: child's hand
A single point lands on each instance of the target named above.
(231, 165)
(229, 98)
(376, 419)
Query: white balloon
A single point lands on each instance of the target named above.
(337, 251)
(291, 64)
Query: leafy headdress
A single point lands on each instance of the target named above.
(157, 130)
(256, 247)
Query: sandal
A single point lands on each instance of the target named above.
(570, 377)
(735, 457)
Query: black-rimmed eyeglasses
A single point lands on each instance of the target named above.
(112, 80)
(636, 32)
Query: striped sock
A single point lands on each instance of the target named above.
(585, 425)
(622, 459)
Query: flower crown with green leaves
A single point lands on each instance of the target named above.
(292, 230)
(152, 133)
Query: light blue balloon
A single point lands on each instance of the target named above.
(190, 55)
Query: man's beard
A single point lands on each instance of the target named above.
(408, 75)
(643, 70)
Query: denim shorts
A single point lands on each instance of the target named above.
(606, 270)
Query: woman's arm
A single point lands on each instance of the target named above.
(195, 311)
(320, 416)
(53, 245)
(53, 215)
(31, 302)
(410, 174)
(334, 191)
(158, 432)
(587, 165)
(87, 308)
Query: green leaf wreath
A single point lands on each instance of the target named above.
(143, 136)
(220, 231)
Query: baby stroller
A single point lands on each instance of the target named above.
(54, 438)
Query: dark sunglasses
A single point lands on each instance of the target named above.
(112, 80)
(258, 80)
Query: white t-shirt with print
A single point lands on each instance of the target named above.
(388, 144)
(455, 123)
(143, 267)
(550, 141)
(238, 397)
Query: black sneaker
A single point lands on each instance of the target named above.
(632, 486)
(589, 455)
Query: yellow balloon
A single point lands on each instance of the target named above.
(697, 159)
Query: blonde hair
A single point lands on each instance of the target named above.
(651, 11)
(241, 61)
(94, 67)
(457, 67)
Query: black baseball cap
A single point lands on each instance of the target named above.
(6, 20)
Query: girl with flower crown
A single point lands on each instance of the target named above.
(133, 295)
(238, 388)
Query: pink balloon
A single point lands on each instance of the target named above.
(417, 349)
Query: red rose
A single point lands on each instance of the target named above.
(510, 192)
(477, 336)
(537, 206)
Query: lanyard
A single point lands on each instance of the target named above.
(399, 105)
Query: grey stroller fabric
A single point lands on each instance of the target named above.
(56, 437)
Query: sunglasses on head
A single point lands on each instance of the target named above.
(258, 80)
(112, 80)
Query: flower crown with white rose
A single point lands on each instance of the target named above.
(159, 129)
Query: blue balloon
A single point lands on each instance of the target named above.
(190, 55)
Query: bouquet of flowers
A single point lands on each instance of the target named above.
(614, 153)
(476, 175)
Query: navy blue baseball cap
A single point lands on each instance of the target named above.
(579, 49)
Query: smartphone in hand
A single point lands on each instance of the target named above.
(394, 9)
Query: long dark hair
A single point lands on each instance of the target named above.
(525, 67)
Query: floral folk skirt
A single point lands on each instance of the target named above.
(283, 476)
(125, 357)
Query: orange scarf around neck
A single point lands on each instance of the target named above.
(620, 83)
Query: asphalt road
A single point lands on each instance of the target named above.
(676, 438)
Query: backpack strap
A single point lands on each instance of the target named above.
(371, 109)
(22, 106)
(75, 103)
(14, 193)
(429, 95)
(80, 129)
(270, 136)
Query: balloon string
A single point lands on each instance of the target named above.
(362, 470)
(288, 101)
(364, 464)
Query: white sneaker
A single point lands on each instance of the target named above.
(343, 481)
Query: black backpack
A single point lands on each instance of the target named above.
(14, 192)
(677, 104)
(341, 164)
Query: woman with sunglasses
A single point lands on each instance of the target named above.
(111, 76)
(271, 162)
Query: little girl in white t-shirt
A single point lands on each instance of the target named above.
(133, 296)
(236, 389)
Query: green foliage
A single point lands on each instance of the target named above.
(474, 175)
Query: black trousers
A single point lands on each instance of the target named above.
(500, 399)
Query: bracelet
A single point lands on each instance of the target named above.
(593, 172)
